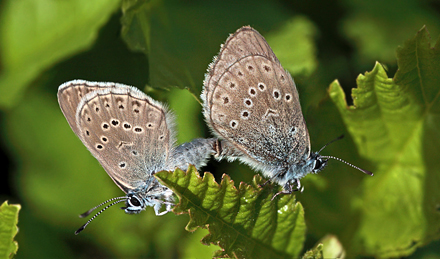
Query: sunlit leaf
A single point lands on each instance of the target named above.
(315, 253)
(8, 229)
(35, 34)
(244, 222)
(332, 247)
(395, 124)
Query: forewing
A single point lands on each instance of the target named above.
(127, 131)
(70, 95)
(252, 101)
(243, 43)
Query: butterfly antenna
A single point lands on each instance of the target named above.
(336, 139)
(85, 214)
(96, 215)
(347, 163)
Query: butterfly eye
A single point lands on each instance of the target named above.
(134, 201)
(318, 165)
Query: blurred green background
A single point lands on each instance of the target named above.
(164, 48)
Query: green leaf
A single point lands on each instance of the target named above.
(244, 222)
(179, 52)
(396, 125)
(294, 46)
(418, 64)
(315, 253)
(8, 229)
(376, 27)
(35, 34)
(332, 247)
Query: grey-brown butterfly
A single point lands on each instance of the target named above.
(132, 136)
(252, 103)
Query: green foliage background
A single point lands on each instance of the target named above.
(164, 46)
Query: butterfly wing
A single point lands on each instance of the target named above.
(70, 95)
(125, 130)
(252, 102)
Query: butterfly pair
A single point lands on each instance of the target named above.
(250, 103)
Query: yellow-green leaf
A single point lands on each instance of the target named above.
(244, 222)
(35, 34)
(395, 124)
(8, 229)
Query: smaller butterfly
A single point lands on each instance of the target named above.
(251, 103)
(132, 136)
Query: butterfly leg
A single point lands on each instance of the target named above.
(281, 172)
(223, 149)
(266, 182)
(288, 188)
(158, 206)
